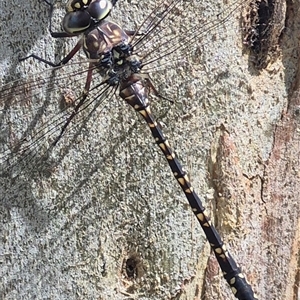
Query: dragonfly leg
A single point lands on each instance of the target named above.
(62, 62)
(78, 106)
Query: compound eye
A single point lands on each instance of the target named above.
(99, 9)
(76, 22)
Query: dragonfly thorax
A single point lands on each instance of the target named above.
(122, 68)
(101, 41)
(108, 47)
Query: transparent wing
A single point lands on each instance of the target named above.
(45, 104)
(176, 52)
(48, 102)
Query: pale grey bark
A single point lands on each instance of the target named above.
(113, 197)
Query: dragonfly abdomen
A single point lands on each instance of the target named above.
(135, 92)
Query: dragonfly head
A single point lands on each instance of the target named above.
(84, 14)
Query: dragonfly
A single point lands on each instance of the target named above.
(114, 54)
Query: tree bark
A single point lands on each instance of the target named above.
(110, 221)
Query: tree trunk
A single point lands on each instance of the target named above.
(109, 221)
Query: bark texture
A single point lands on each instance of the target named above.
(110, 221)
